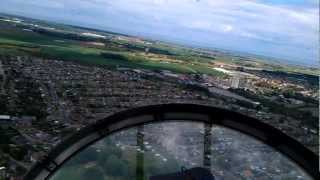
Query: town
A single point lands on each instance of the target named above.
(43, 101)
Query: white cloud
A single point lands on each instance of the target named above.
(227, 28)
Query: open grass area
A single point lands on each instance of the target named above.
(19, 42)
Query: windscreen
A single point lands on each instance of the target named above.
(161, 149)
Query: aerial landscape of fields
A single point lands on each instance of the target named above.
(56, 79)
(73, 44)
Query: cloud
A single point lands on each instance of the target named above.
(235, 24)
(227, 28)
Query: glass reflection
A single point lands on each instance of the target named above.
(163, 148)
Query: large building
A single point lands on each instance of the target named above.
(238, 81)
(235, 81)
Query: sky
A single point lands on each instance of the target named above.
(285, 29)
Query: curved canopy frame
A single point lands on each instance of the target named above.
(169, 112)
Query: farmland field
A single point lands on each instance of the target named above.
(20, 41)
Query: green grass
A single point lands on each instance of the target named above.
(6, 41)
(14, 33)
(14, 40)
(46, 47)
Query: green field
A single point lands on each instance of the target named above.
(65, 44)
(20, 42)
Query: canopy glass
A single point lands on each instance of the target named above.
(150, 150)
